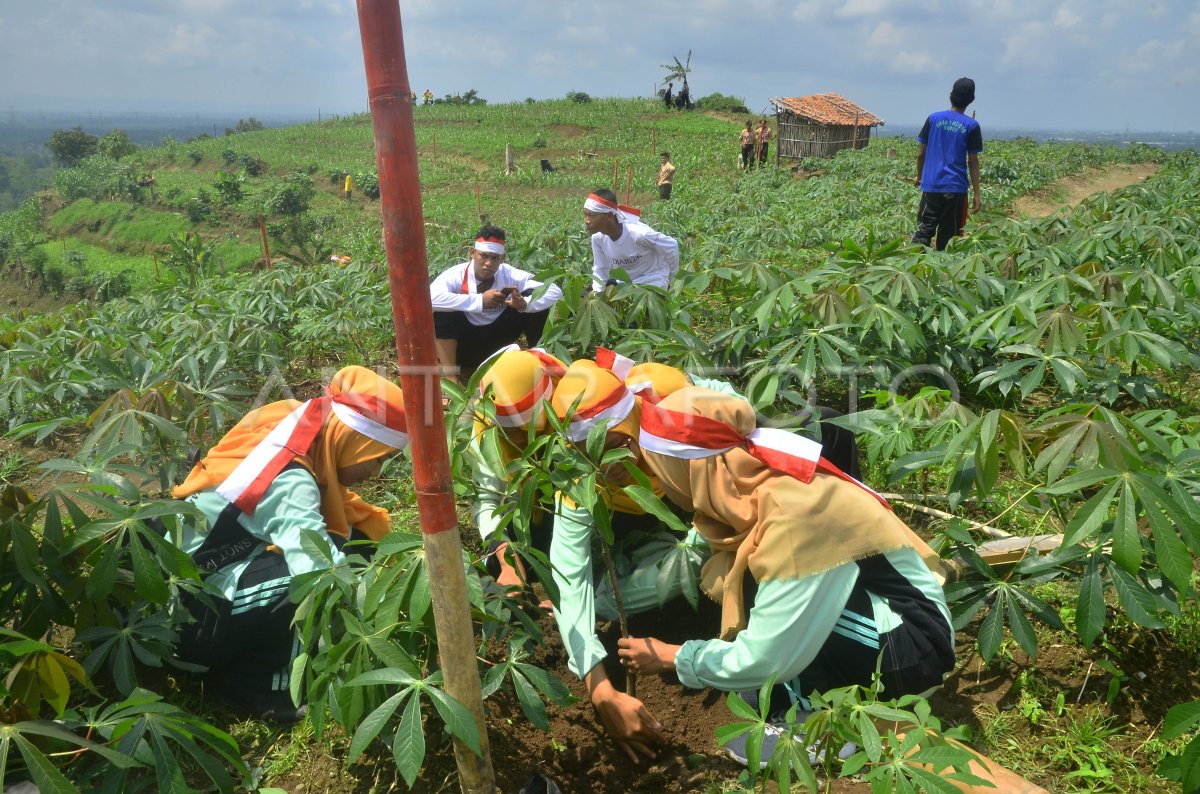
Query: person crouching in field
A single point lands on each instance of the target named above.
(284, 469)
(485, 303)
(518, 383)
(816, 576)
(621, 240)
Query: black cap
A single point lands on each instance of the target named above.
(963, 92)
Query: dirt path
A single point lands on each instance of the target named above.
(1071, 190)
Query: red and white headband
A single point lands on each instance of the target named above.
(594, 203)
(614, 362)
(490, 245)
(691, 437)
(613, 408)
(292, 437)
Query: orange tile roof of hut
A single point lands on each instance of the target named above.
(827, 109)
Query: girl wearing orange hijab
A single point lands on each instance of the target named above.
(283, 469)
(817, 578)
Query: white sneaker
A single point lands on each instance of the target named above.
(736, 749)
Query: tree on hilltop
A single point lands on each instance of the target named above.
(245, 125)
(69, 147)
(116, 145)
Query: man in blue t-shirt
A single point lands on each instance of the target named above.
(950, 144)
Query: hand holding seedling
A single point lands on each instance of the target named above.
(646, 654)
(516, 300)
(493, 299)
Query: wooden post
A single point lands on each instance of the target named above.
(629, 185)
(390, 101)
(508, 160)
(854, 141)
(262, 227)
(654, 139)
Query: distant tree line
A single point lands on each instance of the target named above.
(21, 176)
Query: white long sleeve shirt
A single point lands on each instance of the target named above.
(648, 256)
(455, 290)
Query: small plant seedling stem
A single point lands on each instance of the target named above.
(628, 184)
(630, 676)
(262, 227)
(1086, 676)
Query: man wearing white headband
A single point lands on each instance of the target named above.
(621, 240)
(484, 304)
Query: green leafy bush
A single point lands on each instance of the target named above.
(722, 103)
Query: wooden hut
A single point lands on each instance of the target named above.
(820, 125)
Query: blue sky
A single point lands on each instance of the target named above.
(1069, 64)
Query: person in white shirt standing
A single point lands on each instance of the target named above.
(621, 240)
(485, 304)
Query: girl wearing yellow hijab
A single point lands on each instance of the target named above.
(284, 468)
(817, 578)
(611, 392)
(518, 383)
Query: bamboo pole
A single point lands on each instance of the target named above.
(412, 315)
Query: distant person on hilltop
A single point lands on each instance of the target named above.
(666, 177)
(950, 143)
(428, 96)
(667, 98)
(746, 139)
(621, 240)
(684, 100)
(763, 141)
(483, 304)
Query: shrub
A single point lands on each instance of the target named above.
(291, 196)
(368, 183)
(96, 177)
(195, 155)
(579, 97)
(200, 207)
(55, 281)
(722, 103)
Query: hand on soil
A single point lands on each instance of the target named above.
(629, 723)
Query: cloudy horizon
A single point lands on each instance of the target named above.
(1100, 65)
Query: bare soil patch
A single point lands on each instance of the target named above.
(20, 299)
(1072, 190)
(568, 130)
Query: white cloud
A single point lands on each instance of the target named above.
(808, 10)
(861, 8)
(1065, 17)
(890, 55)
